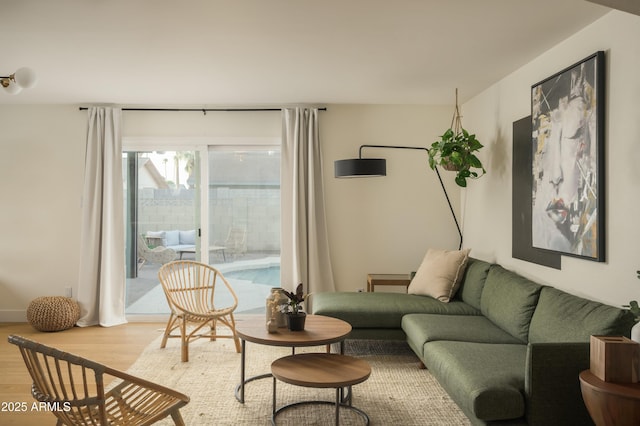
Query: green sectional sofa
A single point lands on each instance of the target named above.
(506, 349)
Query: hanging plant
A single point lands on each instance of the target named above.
(455, 151)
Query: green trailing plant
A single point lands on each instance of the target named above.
(455, 150)
(633, 306)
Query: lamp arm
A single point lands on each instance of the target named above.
(444, 190)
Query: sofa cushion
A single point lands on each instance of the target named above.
(472, 283)
(439, 274)
(187, 237)
(423, 328)
(509, 300)
(486, 380)
(381, 310)
(562, 317)
(171, 238)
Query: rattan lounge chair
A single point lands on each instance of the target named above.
(190, 288)
(158, 255)
(77, 391)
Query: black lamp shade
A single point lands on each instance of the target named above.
(360, 167)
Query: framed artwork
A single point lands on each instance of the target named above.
(567, 194)
(521, 247)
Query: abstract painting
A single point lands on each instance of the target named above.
(567, 195)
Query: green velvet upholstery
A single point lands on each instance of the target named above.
(562, 317)
(508, 300)
(473, 280)
(423, 328)
(382, 310)
(484, 379)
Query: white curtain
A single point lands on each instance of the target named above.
(305, 246)
(101, 285)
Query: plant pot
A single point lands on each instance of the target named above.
(295, 322)
(450, 167)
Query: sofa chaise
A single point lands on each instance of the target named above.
(506, 349)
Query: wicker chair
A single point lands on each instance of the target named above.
(190, 288)
(158, 255)
(74, 390)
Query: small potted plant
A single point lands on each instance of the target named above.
(293, 309)
(634, 308)
(455, 150)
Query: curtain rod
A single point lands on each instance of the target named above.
(202, 110)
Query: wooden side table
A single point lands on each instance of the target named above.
(318, 330)
(610, 404)
(387, 279)
(321, 370)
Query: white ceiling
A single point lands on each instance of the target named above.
(275, 52)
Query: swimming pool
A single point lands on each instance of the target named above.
(269, 276)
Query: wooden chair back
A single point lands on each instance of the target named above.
(73, 389)
(194, 288)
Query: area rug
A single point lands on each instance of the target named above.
(397, 392)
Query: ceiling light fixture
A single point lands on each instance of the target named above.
(24, 78)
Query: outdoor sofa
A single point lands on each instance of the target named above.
(178, 241)
(506, 349)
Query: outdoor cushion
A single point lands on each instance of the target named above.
(423, 328)
(171, 238)
(486, 380)
(509, 300)
(439, 274)
(187, 237)
(381, 310)
(563, 317)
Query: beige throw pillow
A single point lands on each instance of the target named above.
(440, 274)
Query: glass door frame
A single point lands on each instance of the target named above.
(200, 145)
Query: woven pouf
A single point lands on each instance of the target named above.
(53, 313)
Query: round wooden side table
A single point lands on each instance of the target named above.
(610, 404)
(318, 330)
(321, 370)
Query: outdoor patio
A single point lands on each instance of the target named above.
(251, 275)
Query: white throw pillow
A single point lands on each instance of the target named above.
(440, 274)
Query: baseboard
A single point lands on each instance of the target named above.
(13, 315)
(147, 317)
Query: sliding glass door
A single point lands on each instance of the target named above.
(162, 202)
(244, 219)
(224, 210)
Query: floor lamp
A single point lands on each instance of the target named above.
(373, 167)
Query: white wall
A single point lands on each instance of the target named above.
(385, 224)
(488, 204)
(41, 167)
(41, 171)
(375, 225)
(378, 225)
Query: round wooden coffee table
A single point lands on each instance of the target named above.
(321, 370)
(318, 330)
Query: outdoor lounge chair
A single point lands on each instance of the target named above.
(76, 392)
(158, 255)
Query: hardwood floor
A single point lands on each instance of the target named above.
(117, 347)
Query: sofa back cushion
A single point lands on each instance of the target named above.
(563, 317)
(187, 237)
(473, 281)
(509, 300)
(172, 238)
